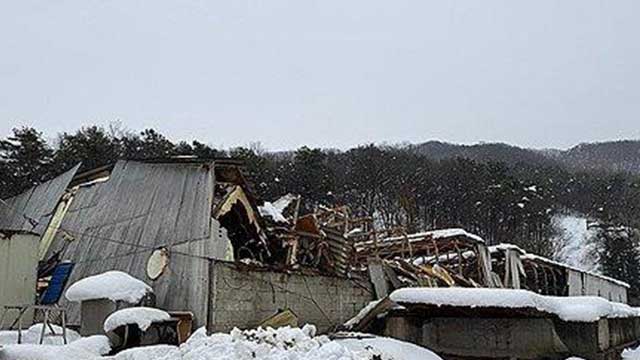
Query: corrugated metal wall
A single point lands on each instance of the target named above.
(581, 283)
(37, 203)
(116, 225)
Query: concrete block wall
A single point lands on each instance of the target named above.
(244, 298)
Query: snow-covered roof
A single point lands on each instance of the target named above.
(141, 316)
(112, 285)
(433, 234)
(504, 247)
(568, 308)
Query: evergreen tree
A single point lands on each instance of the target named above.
(92, 146)
(620, 256)
(148, 145)
(25, 161)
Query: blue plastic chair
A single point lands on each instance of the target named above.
(47, 303)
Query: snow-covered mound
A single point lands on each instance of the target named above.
(388, 348)
(113, 285)
(32, 335)
(277, 344)
(568, 308)
(142, 316)
(631, 354)
(259, 344)
(89, 348)
(151, 353)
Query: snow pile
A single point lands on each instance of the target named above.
(277, 344)
(150, 353)
(259, 344)
(268, 209)
(32, 336)
(575, 243)
(276, 208)
(112, 285)
(631, 354)
(570, 308)
(88, 348)
(142, 316)
(387, 348)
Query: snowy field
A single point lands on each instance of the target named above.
(267, 344)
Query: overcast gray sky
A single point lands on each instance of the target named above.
(326, 73)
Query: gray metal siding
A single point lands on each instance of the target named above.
(116, 225)
(37, 203)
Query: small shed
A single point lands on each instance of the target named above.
(18, 269)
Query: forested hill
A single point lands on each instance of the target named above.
(496, 152)
(621, 156)
(617, 156)
(501, 192)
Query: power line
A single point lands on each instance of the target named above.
(35, 223)
(144, 248)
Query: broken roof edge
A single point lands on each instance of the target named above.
(74, 170)
(534, 257)
(166, 160)
(433, 234)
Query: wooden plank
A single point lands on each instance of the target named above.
(378, 278)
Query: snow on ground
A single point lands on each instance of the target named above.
(259, 344)
(142, 316)
(88, 348)
(32, 336)
(575, 244)
(388, 348)
(568, 308)
(276, 344)
(149, 353)
(113, 285)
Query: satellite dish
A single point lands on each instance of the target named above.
(157, 262)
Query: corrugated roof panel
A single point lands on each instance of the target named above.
(116, 224)
(36, 203)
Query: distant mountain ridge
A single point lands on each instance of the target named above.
(621, 155)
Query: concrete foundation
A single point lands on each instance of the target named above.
(245, 298)
(518, 337)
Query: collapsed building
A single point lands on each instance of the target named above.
(194, 230)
